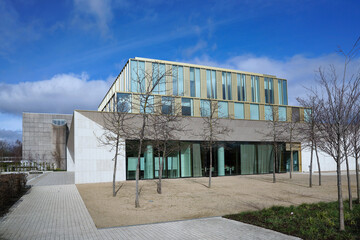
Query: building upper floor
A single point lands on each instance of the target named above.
(238, 94)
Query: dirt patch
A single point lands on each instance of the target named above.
(190, 198)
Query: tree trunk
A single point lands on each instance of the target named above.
(158, 189)
(318, 163)
(274, 162)
(357, 178)
(161, 167)
(340, 199)
(291, 161)
(210, 170)
(137, 204)
(348, 181)
(115, 162)
(311, 160)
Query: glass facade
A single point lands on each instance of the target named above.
(187, 108)
(205, 108)
(239, 111)
(137, 76)
(211, 84)
(269, 90)
(159, 78)
(255, 89)
(192, 159)
(295, 114)
(167, 105)
(269, 113)
(123, 102)
(282, 92)
(146, 103)
(241, 87)
(226, 86)
(223, 110)
(178, 80)
(254, 112)
(307, 115)
(195, 87)
(282, 113)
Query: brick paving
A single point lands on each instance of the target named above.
(53, 210)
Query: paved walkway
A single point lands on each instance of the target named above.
(58, 212)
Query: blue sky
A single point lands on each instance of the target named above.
(57, 56)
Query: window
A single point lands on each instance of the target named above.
(255, 89)
(239, 110)
(295, 114)
(149, 108)
(158, 78)
(282, 113)
(269, 113)
(187, 107)
(205, 108)
(223, 111)
(137, 76)
(269, 90)
(211, 83)
(226, 86)
(59, 122)
(167, 105)
(307, 115)
(282, 92)
(123, 102)
(254, 112)
(195, 82)
(178, 80)
(241, 87)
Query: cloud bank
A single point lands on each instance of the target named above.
(63, 93)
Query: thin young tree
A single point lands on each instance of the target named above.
(213, 130)
(337, 111)
(291, 129)
(115, 131)
(148, 83)
(164, 131)
(355, 141)
(310, 130)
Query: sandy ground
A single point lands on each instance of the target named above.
(191, 198)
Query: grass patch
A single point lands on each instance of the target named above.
(307, 221)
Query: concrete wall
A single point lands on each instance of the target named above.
(327, 163)
(41, 138)
(93, 162)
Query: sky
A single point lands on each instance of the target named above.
(59, 56)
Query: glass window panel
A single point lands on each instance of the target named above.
(255, 88)
(187, 107)
(181, 81)
(280, 92)
(265, 158)
(141, 73)
(175, 80)
(123, 102)
(158, 78)
(185, 160)
(205, 108)
(254, 112)
(192, 82)
(213, 84)
(173, 165)
(148, 163)
(134, 76)
(208, 83)
(197, 82)
(266, 90)
(243, 86)
(228, 79)
(167, 105)
(307, 115)
(224, 85)
(295, 114)
(239, 110)
(285, 92)
(149, 104)
(268, 113)
(223, 111)
(271, 90)
(282, 113)
(248, 158)
(196, 156)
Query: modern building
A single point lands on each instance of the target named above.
(246, 102)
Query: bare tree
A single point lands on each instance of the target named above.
(164, 129)
(310, 130)
(337, 114)
(355, 141)
(213, 130)
(115, 131)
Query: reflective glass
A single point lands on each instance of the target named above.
(223, 111)
(268, 113)
(205, 108)
(282, 113)
(123, 102)
(134, 76)
(167, 105)
(254, 112)
(192, 82)
(239, 110)
(197, 82)
(187, 107)
(208, 83)
(307, 115)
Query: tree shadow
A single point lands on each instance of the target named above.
(119, 188)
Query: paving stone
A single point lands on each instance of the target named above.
(52, 210)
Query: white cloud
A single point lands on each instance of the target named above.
(299, 70)
(90, 14)
(63, 93)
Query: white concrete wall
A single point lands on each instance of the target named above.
(70, 164)
(327, 163)
(93, 162)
